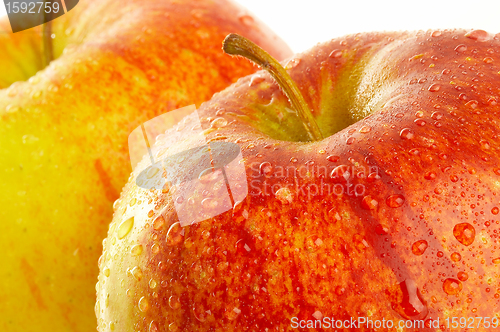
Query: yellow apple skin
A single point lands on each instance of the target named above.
(63, 136)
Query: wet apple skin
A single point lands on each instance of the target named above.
(355, 254)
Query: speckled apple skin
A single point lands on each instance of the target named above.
(63, 135)
(408, 230)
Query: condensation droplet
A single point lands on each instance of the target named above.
(153, 283)
(175, 234)
(456, 257)
(136, 273)
(143, 304)
(369, 203)
(434, 87)
(336, 54)
(452, 286)
(136, 250)
(418, 248)
(218, 123)
(395, 201)
(461, 48)
(284, 195)
(292, 63)
(464, 233)
(174, 302)
(462, 276)
(479, 35)
(125, 227)
(365, 129)
(333, 159)
(266, 168)
(246, 19)
(406, 134)
(495, 210)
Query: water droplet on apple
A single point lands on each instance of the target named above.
(266, 168)
(284, 195)
(153, 283)
(420, 122)
(232, 312)
(485, 145)
(495, 210)
(246, 19)
(333, 159)
(174, 302)
(456, 257)
(452, 286)
(218, 123)
(125, 227)
(350, 140)
(369, 203)
(395, 201)
(462, 276)
(254, 80)
(136, 272)
(143, 304)
(12, 109)
(488, 60)
(437, 115)
(106, 272)
(158, 223)
(479, 35)
(175, 234)
(155, 249)
(418, 248)
(136, 250)
(461, 48)
(430, 176)
(496, 260)
(172, 327)
(464, 233)
(293, 160)
(153, 327)
(434, 87)
(412, 303)
(406, 134)
(436, 33)
(365, 129)
(341, 174)
(453, 178)
(339, 290)
(292, 63)
(209, 203)
(336, 54)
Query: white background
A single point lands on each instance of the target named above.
(303, 23)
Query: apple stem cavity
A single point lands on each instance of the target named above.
(235, 44)
(48, 54)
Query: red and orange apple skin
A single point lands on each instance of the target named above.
(393, 215)
(64, 128)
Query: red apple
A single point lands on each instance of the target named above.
(392, 217)
(64, 129)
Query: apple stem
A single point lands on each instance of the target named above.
(235, 44)
(48, 54)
